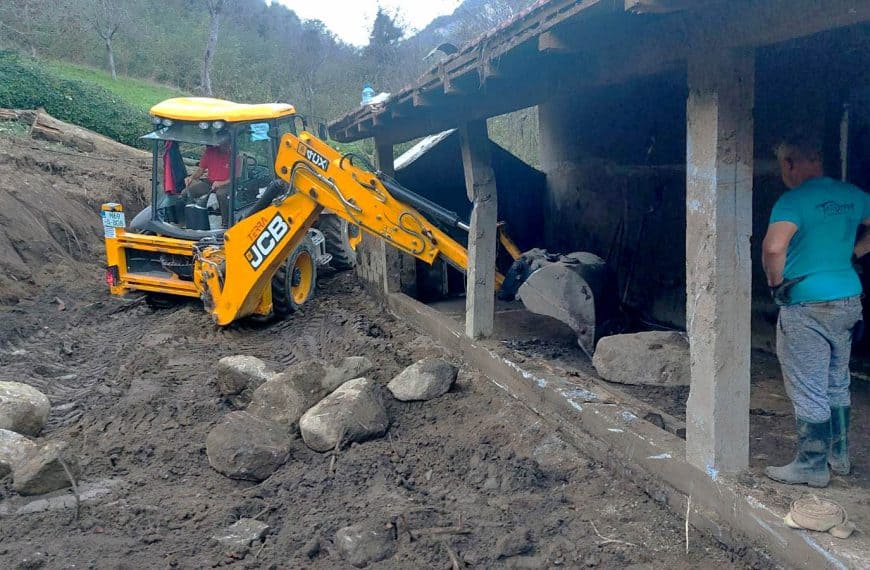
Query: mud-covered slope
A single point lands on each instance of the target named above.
(50, 196)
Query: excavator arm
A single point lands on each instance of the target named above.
(316, 170)
(235, 276)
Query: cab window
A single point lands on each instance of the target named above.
(255, 165)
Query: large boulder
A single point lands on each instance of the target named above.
(279, 400)
(364, 544)
(423, 380)
(240, 373)
(23, 408)
(286, 396)
(43, 470)
(353, 412)
(649, 358)
(14, 449)
(244, 446)
(348, 369)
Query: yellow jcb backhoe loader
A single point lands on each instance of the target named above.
(265, 261)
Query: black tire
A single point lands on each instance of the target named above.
(287, 296)
(338, 234)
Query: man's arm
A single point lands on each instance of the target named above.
(773, 250)
(195, 176)
(863, 245)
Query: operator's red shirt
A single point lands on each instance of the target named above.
(217, 163)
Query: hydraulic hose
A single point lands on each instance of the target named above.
(425, 205)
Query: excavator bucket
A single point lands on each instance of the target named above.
(577, 289)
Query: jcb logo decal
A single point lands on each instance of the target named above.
(314, 158)
(267, 241)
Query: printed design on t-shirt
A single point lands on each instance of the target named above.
(834, 208)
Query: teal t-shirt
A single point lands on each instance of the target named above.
(827, 213)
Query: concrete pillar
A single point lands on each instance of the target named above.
(391, 256)
(719, 157)
(401, 273)
(372, 266)
(480, 185)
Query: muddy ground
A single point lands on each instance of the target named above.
(133, 393)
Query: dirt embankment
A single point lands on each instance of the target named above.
(132, 391)
(50, 198)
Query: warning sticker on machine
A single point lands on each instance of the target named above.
(112, 220)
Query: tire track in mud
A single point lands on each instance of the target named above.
(106, 353)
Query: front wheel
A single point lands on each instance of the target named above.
(294, 282)
(342, 239)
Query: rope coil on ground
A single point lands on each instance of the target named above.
(821, 515)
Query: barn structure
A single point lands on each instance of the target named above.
(656, 125)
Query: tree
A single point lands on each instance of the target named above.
(383, 48)
(310, 53)
(25, 14)
(215, 9)
(106, 17)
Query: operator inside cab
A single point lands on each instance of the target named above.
(215, 165)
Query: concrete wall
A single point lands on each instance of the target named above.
(616, 185)
(438, 176)
(614, 160)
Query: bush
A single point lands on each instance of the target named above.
(24, 84)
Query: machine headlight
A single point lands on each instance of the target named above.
(166, 122)
(155, 120)
(218, 125)
(203, 125)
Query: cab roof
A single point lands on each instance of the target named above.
(208, 109)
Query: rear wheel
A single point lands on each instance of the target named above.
(294, 282)
(342, 239)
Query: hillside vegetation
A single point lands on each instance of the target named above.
(29, 84)
(134, 92)
(257, 51)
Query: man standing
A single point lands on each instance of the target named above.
(807, 255)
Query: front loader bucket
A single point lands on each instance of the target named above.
(579, 290)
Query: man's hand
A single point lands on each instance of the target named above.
(781, 293)
(863, 245)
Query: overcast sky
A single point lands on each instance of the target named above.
(351, 20)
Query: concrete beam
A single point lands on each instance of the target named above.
(719, 158)
(480, 185)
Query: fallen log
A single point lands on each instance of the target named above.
(45, 127)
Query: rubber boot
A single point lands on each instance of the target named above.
(810, 465)
(838, 458)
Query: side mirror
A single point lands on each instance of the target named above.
(322, 132)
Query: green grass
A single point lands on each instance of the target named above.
(136, 93)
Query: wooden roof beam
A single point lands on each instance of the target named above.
(555, 41)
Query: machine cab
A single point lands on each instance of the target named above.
(211, 161)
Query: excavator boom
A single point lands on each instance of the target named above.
(316, 170)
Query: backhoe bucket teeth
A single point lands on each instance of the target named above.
(579, 290)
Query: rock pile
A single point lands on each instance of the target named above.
(35, 468)
(330, 405)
